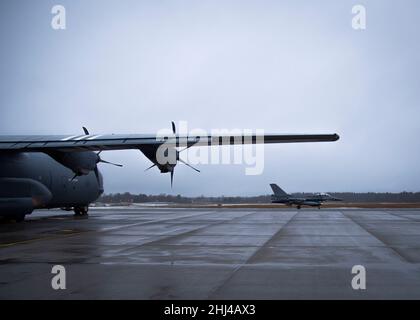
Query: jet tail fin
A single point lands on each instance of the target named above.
(279, 192)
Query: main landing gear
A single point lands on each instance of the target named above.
(81, 211)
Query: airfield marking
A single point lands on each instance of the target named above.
(61, 236)
(33, 240)
(5, 245)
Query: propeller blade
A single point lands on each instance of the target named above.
(172, 178)
(154, 165)
(107, 162)
(173, 128)
(183, 149)
(188, 165)
(96, 173)
(86, 131)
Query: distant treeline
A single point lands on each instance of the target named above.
(346, 196)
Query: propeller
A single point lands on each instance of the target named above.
(172, 171)
(154, 165)
(179, 152)
(171, 168)
(173, 127)
(111, 163)
(187, 164)
(96, 171)
(85, 171)
(100, 160)
(86, 131)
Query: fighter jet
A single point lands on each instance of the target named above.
(280, 196)
(61, 171)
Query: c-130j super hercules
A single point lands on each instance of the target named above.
(39, 172)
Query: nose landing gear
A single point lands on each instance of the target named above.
(81, 211)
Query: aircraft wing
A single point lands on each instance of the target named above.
(98, 142)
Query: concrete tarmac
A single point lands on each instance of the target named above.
(163, 253)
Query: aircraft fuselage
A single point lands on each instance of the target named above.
(31, 181)
(298, 202)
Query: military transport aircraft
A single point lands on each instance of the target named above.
(62, 171)
(316, 200)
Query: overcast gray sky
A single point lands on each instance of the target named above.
(283, 66)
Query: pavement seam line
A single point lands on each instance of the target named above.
(187, 232)
(239, 266)
(387, 245)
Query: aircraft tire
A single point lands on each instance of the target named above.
(81, 211)
(85, 211)
(299, 207)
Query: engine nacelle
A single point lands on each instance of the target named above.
(20, 196)
(166, 167)
(170, 155)
(81, 163)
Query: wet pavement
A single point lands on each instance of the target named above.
(162, 253)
